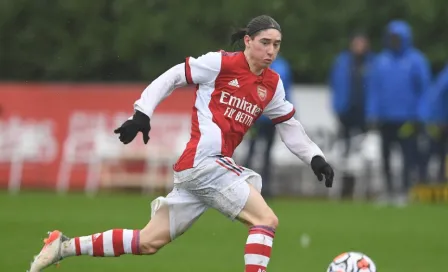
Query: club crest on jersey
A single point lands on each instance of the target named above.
(261, 92)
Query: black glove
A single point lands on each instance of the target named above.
(130, 128)
(322, 168)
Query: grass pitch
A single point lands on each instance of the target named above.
(408, 239)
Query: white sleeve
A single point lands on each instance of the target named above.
(160, 88)
(297, 141)
(279, 109)
(204, 69)
(201, 70)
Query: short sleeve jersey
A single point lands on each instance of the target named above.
(228, 100)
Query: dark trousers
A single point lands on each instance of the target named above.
(351, 123)
(262, 132)
(435, 148)
(409, 151)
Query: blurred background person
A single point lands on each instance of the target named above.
(264, 131)
(434, 115)
(400, 77)
(348, 80)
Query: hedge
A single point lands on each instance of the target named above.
(136, 40)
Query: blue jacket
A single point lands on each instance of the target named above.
(434, 107)
(399, 79)
(341, 81)
(281, 66)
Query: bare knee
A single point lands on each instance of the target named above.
(273, 221)
(269, 220)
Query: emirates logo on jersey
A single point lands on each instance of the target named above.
(262, 92)
(239, 109)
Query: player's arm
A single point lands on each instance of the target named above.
(201, 70)
(291, 131)
(160, 88)
(293, 135)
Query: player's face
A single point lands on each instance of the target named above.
(264, 47)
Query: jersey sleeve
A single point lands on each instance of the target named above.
(279, 109)
(160, 88)
(297, 141)
(204, 69)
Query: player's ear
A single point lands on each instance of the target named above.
(247, 40)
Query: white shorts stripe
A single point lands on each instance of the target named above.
(255, 259)
(260, 239)
(108, 246)
(85, 244)
(127, 240)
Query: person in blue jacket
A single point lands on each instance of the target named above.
(400, 77)
(434, 115)
(264, 129)
(348, 81)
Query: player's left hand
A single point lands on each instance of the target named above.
(322, 169)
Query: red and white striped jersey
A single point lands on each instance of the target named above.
(229, 98)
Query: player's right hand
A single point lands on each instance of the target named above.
(129, 129)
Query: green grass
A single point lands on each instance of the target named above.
(407, 239)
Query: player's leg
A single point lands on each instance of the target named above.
(161, 230)
(111, 243)
(262, 223)
(256, 211)
(235, 192)
(171, 217)
(156, 234)
(117, 242)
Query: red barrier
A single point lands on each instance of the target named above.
(45, 110)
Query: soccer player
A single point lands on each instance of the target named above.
(233, 89)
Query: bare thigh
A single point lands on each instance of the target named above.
(256, 211)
